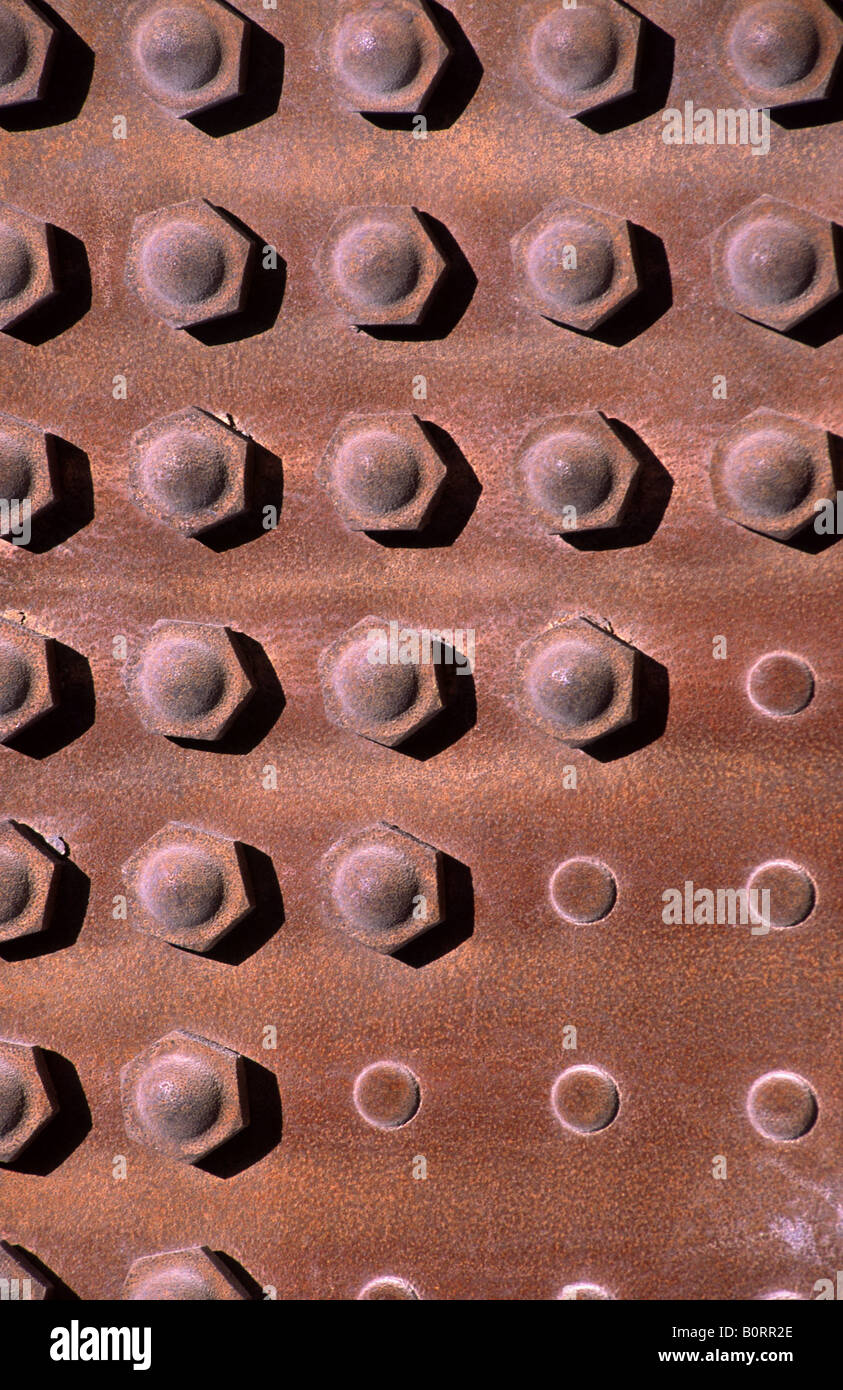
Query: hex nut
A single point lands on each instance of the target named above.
(192, 1274)
(771, 473)
(27, 1098)
(190, 56)
(382, 472)
(19, 1274)
(191, 471)
(368, 693)
(189, 887)
(190, 263)
(380, 266)
(775, 264)
(780, 53)
(575, 264)
(29, 878)
(27, 265)
(184, 1096)
(28, 684)
(27, 48)
(383, 887)
(577, 682)
(188, 680)
(28, 474)
(575, 474)
(580, 58)
(387, 57)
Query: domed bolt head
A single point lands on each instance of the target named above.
(27, 1098)
(382, 472)
(771, 473)
(27, 473)
(388, 1287)
(29, 875)
(577, 682)
(190, 264)
(28, 688)
(383, 887)
(189, 887)
(775, 264)
(188, 680)
(194, 1274)
(190, 55)
(27, 269)
(580, 58)
(576, 264)
(27, 49)
(21, 1277)
(387, 56)
(575, 474)
(184, 1096)
(368, 693)
(191, 471)
(380, 266)
(780, 52)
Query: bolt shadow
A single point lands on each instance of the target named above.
(72, 298)
(261, 1135)
(646, 507)
(809, 540)
(458, 82)
(263, 301)
(260, 712)
(73, 508)
(456, 684)
(74, 713)
(655, 68)
(455, 505)
(653, 703)
(458, 926)
(264, 84)
(827, 323)
(253, 1289)
(652, 301)
(68, 1127)
(68, 905)
(450, 299)
(58, 1288)
(67, 85)
(265, 919)
(266, 490)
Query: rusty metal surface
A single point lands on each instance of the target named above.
(547, 1168)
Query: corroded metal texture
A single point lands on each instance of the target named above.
(342, 977)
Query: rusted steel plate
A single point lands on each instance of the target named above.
(218, 761)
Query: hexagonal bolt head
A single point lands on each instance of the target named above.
(27, 47)
(575, 474)
(184, 1096)
(580, 59)
(29, 876)
(27, 1098)
(191, 471)
(28, 477)
(27, 269)
(188, 680)
(780, 52)
(24, 1281)
(192, 1274)
(28, 687)
(775, 264)
(189, 56)
(575, 264)
(380, 266)
(369, 690)
(382, 472)
(577, 682)
(387, 57)
(190, 264)
(771, 473)
(383, 887)
(189, 887)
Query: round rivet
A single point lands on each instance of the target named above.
(569, 683)
(774, 43)
(181, 887)
(12, 1099)
(178, 1098)
(15, 679)
(14, 48)
(571, 264)
(583, 890)
(568, 470)
(15, 886)
(768, 473)
(184, 263)
(780, 684)
(791, 889)
(376, 692)
(575, 50)
(585, 1098)
(179, 49)
(376, 265)
(378, 52)
(185, 472)
(182, 679)
(378, 472)
(771, 261)
(388, 1288)
(15, 264)
(387, 1095)
(374, 888)
(782, 1106)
